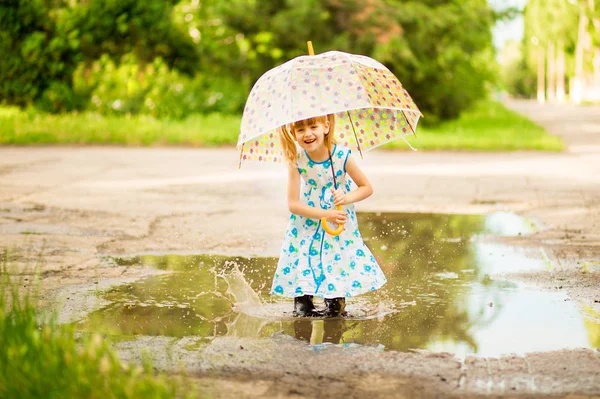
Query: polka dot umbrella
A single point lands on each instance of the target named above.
(370, 104)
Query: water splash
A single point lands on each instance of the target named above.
(250, 303)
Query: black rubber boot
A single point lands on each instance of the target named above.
(335, 307)
(304, 307)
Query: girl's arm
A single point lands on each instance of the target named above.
(364, 189)
(298, 208)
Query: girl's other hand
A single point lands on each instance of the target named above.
(339, 197)
(335, 216)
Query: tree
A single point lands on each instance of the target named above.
(441, 50)
(144, 28)
(36, 52)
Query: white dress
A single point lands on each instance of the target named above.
(312, 262)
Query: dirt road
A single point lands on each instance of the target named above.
(73, 205)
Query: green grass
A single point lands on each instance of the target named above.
(488, 126)
(27, 127)
(40, 358)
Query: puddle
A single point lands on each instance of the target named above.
(445, 292)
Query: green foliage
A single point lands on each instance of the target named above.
(441, 50)
(546, 21)
(145, 28)
(40, 358)
(206, 55)
(517, 78)
(36, 54)
(153, 89)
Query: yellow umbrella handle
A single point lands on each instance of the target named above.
(328, 229)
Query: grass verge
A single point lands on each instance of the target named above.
(488, 126)
(40, 358)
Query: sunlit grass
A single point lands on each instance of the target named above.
(489, 126)
(28, 127)
(40, 358)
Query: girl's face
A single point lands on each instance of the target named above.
(311, 137)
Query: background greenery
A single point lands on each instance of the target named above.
(168, 58)
(486, 126)
(550, 21)
(179, 71)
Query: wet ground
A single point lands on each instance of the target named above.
(470, 310)
(448, 290)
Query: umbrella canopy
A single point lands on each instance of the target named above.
(370, 105)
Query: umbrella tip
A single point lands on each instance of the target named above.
(311, 51)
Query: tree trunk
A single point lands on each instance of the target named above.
(595, 21)
(551, 78)
(541, 89)
(596, 78)
(560, 73)
(577, 81)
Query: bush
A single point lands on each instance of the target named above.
(152, 89)
(36, 54)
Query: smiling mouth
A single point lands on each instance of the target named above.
(309, 141)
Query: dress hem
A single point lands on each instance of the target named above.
(323, 295)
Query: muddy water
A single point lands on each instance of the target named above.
(448, 290)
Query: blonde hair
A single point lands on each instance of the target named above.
(288, 136)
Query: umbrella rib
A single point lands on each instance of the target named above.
(291, 96)
(355, 136)
(408, 122)
(241, 152)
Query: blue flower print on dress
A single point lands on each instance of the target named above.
(312, 262)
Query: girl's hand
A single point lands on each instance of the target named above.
(335, 216)
(339, 198)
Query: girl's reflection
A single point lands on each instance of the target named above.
(319, 331)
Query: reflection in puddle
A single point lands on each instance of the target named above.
(443, 294)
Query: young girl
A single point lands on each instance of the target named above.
(313, 262)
